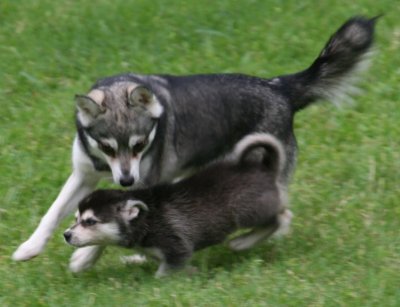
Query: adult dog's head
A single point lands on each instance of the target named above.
(117, 124)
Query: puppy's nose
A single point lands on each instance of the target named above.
(126, 181)
(67, 235)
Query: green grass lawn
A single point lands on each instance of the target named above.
(344, 248)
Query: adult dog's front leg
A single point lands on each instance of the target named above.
(77, 187)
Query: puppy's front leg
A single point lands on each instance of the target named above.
(77, 186)
(172, 262)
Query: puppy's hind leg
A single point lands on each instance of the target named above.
(248, 240)
(172, 261)
(284, 220)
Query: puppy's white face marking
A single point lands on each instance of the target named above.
(89, 230)
(88, 214)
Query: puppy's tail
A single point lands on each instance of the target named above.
(331, 75)
(273, 156)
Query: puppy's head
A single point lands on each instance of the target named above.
(104, 218)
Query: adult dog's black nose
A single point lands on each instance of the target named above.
(67, 235)
(126, 181)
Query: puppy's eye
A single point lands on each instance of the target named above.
(89, 222)
(107, 149)
(139, 146)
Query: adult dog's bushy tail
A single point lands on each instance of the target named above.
(330, 76)
(273, 157)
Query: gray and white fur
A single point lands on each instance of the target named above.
(171, 221)
(147, 129)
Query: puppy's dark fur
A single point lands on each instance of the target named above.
(202, 210)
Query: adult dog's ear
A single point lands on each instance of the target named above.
(141, 96)
(131, 209)
(90, 106)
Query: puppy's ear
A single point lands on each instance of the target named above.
(90, 106)
(131, 209)
(141, 96)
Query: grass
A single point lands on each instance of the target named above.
(344, 249)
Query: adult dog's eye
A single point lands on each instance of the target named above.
(107, 149)
(89, 222)
(139, 146)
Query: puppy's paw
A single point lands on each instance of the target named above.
(84, 258)
(285, 219)
(134, 259)
(28, 250)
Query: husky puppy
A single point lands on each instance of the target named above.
(174, 220)
(150, 129)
